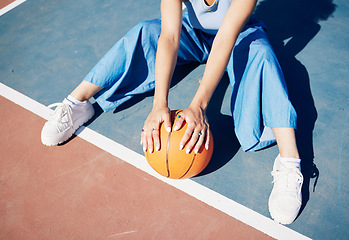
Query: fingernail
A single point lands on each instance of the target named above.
(181, 147)
(187, 151)
(175, 128)
(140, 142)
(144, 149)
(206, 146)
(157, 148)
(168, 129)
(196, 151)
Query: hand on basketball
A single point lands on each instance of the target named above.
(150, 136)
(197, 132)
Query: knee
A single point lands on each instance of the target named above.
(262, 49)
(149, 26)
(146, 31)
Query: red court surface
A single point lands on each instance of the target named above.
(4, 3)
(78, 191)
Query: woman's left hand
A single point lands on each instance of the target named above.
(197, 132)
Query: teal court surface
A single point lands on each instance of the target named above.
(99, 186)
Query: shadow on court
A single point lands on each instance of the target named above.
(291, 25)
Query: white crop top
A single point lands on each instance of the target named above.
(204, 17)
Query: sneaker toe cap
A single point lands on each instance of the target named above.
(49, 129)
(288, 205)
(51, 135)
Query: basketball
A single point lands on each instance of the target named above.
(174, 163)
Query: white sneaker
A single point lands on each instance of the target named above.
(65, 120)
(285, 199)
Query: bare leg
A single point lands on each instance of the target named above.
(85, 90)
(286, 141)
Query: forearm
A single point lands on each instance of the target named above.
(214, 70)
(165, 63)
(224, 42)
(167, 49)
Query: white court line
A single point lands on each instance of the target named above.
(11, 6)
(200, 192)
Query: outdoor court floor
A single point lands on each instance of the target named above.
(99, 186)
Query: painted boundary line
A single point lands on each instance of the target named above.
(198, 191)
(11, 6)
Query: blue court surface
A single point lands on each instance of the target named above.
(47, 47)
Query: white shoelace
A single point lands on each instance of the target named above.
(289, 179)
(62, 110)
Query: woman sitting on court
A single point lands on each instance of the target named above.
(218, 33)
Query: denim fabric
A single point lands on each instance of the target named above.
(259, 99)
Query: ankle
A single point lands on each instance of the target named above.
(289, 155)
(290, 160)
(85, 90)
(74, 100)
(79, 98)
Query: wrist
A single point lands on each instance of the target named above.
(160, 104)
(203, 95)
(199, 104)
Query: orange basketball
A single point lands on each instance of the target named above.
(174, 163)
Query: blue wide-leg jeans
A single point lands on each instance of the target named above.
(259, 99)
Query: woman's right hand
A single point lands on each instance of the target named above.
(150, 137)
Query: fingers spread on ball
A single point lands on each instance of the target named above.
(178, 122)
(208, 139)
(200, 141)
(156, 138)
(196, 140)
